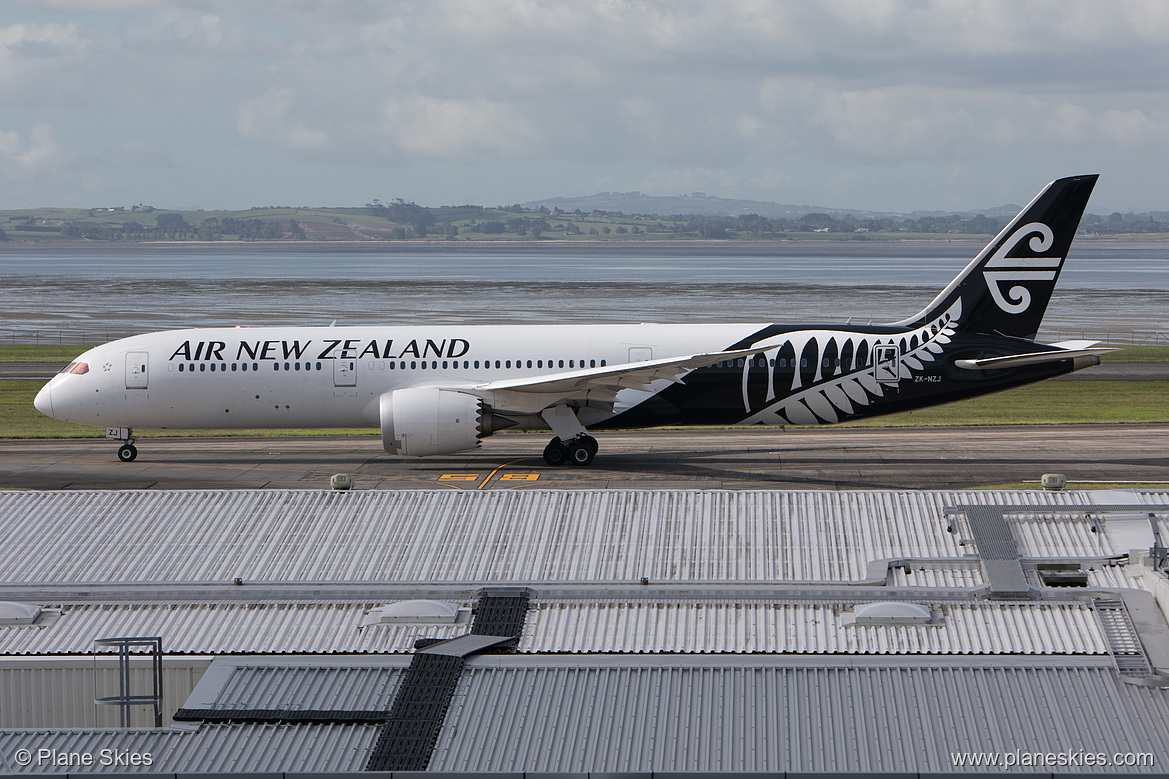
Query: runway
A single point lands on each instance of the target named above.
(747, 459)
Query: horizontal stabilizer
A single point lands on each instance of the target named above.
(1034, 358)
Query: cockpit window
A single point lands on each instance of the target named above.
(78, 368)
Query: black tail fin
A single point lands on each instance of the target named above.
(1006, 288)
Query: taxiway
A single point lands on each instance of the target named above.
(835, 459)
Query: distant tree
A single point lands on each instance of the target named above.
(172, 222)
(71, 230)
(3, 236)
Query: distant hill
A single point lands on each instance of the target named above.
(701, 204)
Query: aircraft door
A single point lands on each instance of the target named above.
(640, 353)
(887, 365)
(136, 370)
(345, 373)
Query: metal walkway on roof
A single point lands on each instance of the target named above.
(997, 550)
(1124, 643)
(406, 741)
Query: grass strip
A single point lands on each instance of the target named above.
(1045, 403)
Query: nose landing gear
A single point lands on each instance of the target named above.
(127, 452)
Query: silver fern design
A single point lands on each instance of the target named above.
(820, 377)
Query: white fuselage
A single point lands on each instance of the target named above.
(298, 377)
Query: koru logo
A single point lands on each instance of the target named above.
(1010, 269)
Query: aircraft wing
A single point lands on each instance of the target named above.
(1034, 358)
(630, 375)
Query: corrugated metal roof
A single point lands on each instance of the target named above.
(216, 628)
(576, 626)
(60, 693)
(764, 713)
(1042, 536)
(338, 688)
(486, 537)
(210, 748)
(807, 628)
(832, 717)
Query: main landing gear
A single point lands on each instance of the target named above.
(571, 444)
(579, 451)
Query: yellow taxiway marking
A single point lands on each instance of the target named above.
(497, 470)
(565, 481)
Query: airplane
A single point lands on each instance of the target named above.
(436, 390)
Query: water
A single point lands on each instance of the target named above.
(89, 293)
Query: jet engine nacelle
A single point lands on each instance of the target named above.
(427, 420)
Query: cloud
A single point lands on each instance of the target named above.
(698, 94)
(28, 160)
(268, 118)
(451, 129)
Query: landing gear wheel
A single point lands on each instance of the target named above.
(127, 453)
(590, 442)
(555, 453)
(582, 451)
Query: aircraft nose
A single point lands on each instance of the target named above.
(43, 402)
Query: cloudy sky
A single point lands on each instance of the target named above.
(890, 105)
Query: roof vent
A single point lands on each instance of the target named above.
(892, 613)
(12, 613)
(419, 612)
